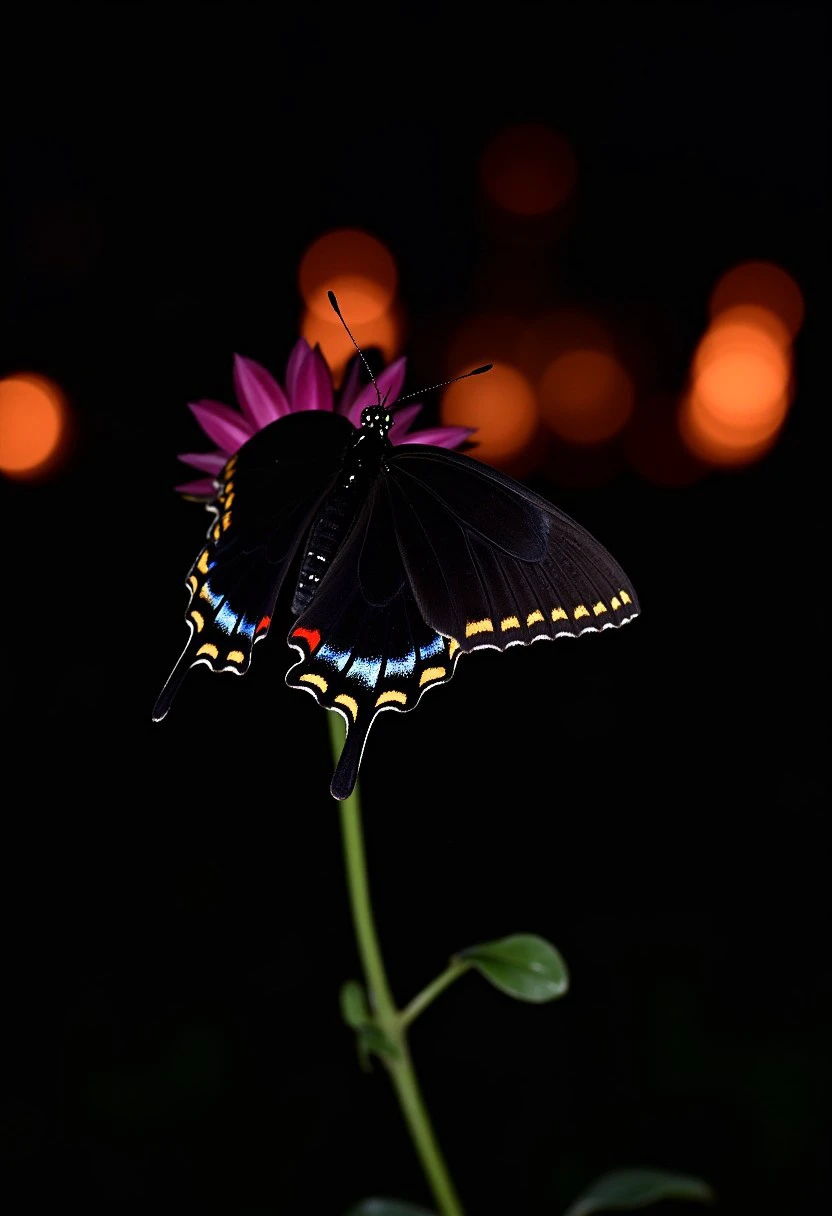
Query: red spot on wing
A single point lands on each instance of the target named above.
(312, 636)
(264, 624)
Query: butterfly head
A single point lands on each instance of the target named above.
(376, 418)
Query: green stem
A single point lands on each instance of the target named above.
(387, 1015)
(431, 992)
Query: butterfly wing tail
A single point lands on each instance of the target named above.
(349, 762)
(172, 685)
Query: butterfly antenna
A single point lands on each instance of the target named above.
(334, 303)
(478, 371)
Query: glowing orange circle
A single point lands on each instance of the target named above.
(501, 405)
(357, 267)
(32, 422)
(764, 284)
(528, 169)
(716, 442)
(743, 385)
(383, 332)
(586, 396)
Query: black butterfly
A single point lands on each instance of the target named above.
(403, 558)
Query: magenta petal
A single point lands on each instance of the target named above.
(261, 398)
(300, 353)
(313, 383)
(209, 462)
(389, 383)
(203, 488)
(228, 429)
(403, 419)
(441, 436)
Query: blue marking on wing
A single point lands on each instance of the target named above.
(226, 619)
(246, 627)
(432, 648)
(400, 666)
(365, 670)
(338, 658)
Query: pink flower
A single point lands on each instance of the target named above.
(307, 386)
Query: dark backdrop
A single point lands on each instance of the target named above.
(175, 925)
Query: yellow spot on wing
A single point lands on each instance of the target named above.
(534, 617)
(193, 583)
(229, 487)
(229, 499)
(453, 648)
(226, 520)
(208, 649)
(236, 656)
(509, 622)
(625, 599)
(343, 699)
(202, 564)
(580, 611)
(615, 601)
(198, 620)
(393, 695)
(216, 532)
(205, 594)
(431, 673)
(558, 614)
(318, 681)
(483, 626)
(599, 608)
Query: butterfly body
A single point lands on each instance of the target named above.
(407, 557)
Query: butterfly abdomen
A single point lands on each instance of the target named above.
(324, 540)
(362, 461)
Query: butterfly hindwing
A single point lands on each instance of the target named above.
(364, 645)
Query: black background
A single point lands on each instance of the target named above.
(175, 924)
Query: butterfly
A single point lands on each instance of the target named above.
(400, 560)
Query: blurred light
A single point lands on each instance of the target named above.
(33, 419)
(501, 405)
(719, 442)
(741, 378)
(383, 332)
(357, 267)
(763, 284)
(586, 396)
(751, 317)
(528, 169)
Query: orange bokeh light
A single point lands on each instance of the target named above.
(33, 418)
(765, 285)
(721, 443)
(528, 169)
(357, 267)
(586, 396)
(741, 374)
(501, 405)
(383, 332)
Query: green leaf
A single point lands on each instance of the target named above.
(371, 1039)
(387, 1207)
(523, 965)
(354, 1008)
(626, 1189)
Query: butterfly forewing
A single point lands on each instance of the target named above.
(269, 493)
(491, 563)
